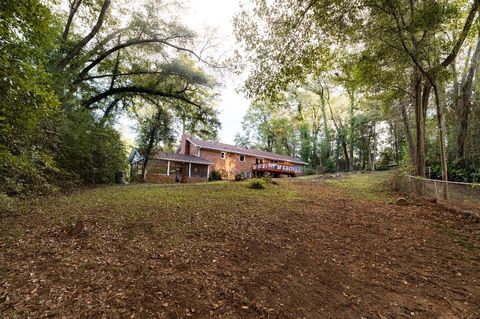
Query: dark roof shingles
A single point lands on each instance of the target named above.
(181, 158)
(240, 150)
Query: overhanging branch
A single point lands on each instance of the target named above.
(137, 90)
(81, 44)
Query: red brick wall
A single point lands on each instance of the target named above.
(170, 179)
(160, 178)
(183, 147)
(157, 169)
(231, 165)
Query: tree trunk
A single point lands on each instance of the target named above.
(327, 142)
(371, 152)
(325, 126)
(441, 132)
(408, 133)
(144, 169)
(337, 155)
(421, 105)
(465, 103)
(345, 152)
(350, 137)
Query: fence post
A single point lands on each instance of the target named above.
(445, 190)
(436, 190)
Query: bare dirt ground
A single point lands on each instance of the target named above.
(301, 249)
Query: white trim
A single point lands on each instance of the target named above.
(189, 169)
(168, 167)
(208, 171)
(223, 155)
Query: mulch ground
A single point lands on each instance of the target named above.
(324, 255)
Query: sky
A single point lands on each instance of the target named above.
(218, 15)
(203, 16)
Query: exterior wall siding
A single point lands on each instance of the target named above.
(183, 147)
(227, 167)
(157, 172)
(230, 166)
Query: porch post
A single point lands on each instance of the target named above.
(168, 167)
(208, 171)
(189, 169)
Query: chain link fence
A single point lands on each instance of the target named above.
(466, 195)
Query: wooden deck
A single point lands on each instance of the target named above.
(275, 168)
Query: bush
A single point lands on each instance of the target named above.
(89, 152)
(386, 158)
(330, 166)
(215, 176)
(257, 183)
(238, 177)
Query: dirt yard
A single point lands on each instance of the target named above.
(306, 248)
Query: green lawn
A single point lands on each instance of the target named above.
(370, 186)
(165, 211)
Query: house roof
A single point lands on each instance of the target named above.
(176, 157)
(135, 156)
(217, 146)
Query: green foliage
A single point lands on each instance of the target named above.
(155, 130)
(60, 95)
(386, 158)
(28, 103)
(381, 48)
(215, 176)
(89, 152)
(330, 166)
(257, 183)
(459, 171)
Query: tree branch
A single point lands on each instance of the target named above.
(109, 75)
(74, 5)
(81, 44)
(126, 44)
(466, 28)
(137, 90)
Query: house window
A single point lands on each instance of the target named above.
(242, 158)
(222, 155)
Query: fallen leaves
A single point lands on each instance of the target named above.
(302, 250)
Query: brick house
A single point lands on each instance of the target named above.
(195, 159)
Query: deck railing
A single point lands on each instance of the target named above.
(276, 167)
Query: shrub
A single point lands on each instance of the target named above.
(257, 183)
(215, 176)
(238, 177)
(267, 179)
(90, 153)
(330, 166)
(386, 158)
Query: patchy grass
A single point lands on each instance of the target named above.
(370, 186)
(165, 211)
(296, 249)
(458, 237)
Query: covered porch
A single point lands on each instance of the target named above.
(177, 168)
